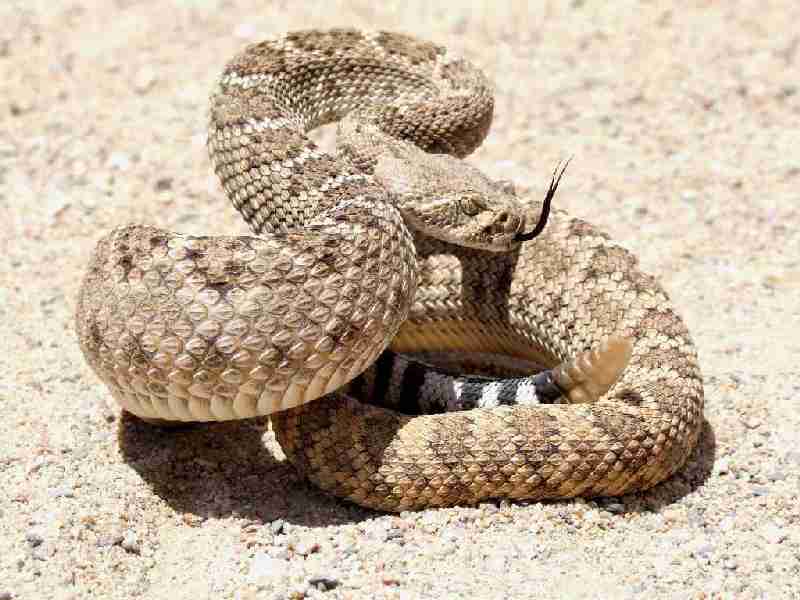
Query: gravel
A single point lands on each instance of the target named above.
(680, 125)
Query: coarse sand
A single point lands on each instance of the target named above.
(684, 123)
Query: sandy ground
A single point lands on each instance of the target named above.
(683, 124)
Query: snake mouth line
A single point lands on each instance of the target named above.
(543, 216)
(510, 227)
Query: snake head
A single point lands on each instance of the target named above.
(469, 218)
(447, 199)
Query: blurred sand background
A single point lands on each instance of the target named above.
(684, 123)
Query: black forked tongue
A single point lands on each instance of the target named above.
(551, 191)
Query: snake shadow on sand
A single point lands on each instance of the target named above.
(236, 468)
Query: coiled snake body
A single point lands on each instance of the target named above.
(389, 241)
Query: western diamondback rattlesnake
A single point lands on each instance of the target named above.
(209, 328)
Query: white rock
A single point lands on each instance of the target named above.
(772, 533)
(119, 160)
(265, 566)
(245, 31)
(144, 79)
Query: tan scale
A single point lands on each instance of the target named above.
(185, 328)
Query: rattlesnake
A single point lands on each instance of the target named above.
(210, 328)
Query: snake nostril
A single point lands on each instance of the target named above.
(508, 222)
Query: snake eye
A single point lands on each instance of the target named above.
(471, 206)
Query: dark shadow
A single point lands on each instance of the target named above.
(236, 468)
(233, 468)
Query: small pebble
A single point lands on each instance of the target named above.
(264, 565)
(144, 79)
(44, 552)
(696, 518)
(109, 540)
(395, 534)
(776, 475)
(723, 465)
(245, 31)
(119, 161)
(64, 491)
(277, 526)
(773, 534)
(130, 543)
(163, 184)
(727, 524)
(324, 584)
(488, 508)
(704, 551)
(304, 547)
(282, 553)
(34, 537)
